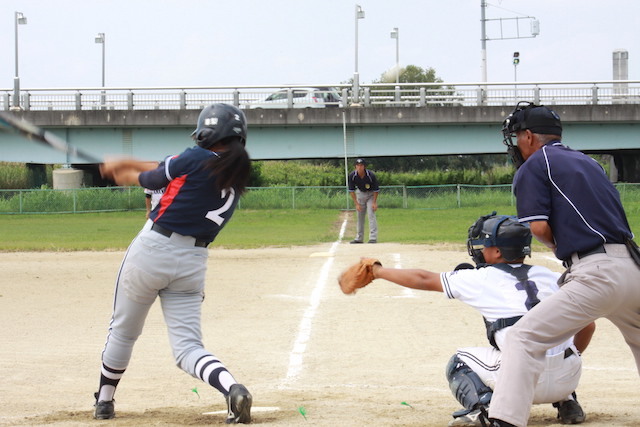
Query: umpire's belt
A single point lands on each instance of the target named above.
(167, 233)
(583, 254)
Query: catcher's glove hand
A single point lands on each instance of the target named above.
(358, 275)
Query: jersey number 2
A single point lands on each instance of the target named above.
(216, 214)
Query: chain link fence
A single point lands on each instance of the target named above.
(110, 199)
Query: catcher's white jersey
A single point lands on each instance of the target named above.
(495, 293)
(498, 294)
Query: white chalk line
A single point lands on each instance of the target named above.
(406, 292)
(304, 329)
(253, 409)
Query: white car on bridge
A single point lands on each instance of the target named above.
(301, 97)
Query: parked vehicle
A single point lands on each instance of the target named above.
(304, 97)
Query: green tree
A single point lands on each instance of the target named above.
(436, 94)
(410, 74)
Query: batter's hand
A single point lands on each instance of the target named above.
(358, 275)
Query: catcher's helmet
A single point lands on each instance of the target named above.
(217, 122)
(536, 118)
(513, 238)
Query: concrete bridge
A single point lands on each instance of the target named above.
(395, 127)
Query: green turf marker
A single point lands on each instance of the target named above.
(302, 411)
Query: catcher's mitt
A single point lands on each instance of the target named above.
(357, 276)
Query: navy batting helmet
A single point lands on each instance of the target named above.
(513, 238)
(220, 121)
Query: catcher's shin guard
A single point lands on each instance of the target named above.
(466, 385)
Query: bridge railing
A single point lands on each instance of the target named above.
(370, 95)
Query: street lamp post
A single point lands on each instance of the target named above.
(100, 39)
(20, 19)
(516, 61)
(395, 34)
(356, 76)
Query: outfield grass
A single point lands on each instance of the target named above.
(247, 229)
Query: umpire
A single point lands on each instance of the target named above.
(364, 189)
(574, 210)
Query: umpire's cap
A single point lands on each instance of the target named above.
(361, 162)
(536, 118)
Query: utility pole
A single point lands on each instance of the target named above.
(534, 31)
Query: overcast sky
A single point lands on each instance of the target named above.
(275, 42)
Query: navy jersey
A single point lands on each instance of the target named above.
(191, 204)
(571, 191)
(367, 183)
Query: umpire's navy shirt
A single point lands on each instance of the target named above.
(571, 191)
(191, 205)
(367, 183)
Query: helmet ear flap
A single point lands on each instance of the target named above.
(203, 136)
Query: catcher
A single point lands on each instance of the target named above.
(502, 288)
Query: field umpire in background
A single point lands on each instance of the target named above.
(574, 210)
(364, 189)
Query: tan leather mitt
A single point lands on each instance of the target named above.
(357, 276)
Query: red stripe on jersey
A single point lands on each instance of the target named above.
(170, 193)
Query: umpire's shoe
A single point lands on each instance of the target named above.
(239, 405)
(104, 409)
(570, 411)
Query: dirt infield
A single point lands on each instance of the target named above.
(278, 320)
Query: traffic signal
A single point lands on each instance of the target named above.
(516, 58)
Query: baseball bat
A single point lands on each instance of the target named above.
(9, 122)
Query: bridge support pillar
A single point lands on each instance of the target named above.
(67, 179)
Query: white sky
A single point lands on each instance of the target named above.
(276, 42)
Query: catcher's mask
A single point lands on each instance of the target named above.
(510, 236)
(527, 115)
(218, 122)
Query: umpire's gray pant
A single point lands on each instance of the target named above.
(365, 199)
(599, 285)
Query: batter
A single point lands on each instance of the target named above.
(168, 258)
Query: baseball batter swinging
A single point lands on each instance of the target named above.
(168, 258)
(502, 289)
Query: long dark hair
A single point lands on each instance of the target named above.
(231, 166)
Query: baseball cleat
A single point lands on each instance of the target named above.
(104, 409)
(470, 419)
(373, 241)
(570, 412)
(356, 241)
(239, 405)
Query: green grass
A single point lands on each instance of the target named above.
(69, 232)
(247, 228)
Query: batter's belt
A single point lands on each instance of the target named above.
(167, 233)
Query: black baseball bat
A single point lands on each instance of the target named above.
(30, 131)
